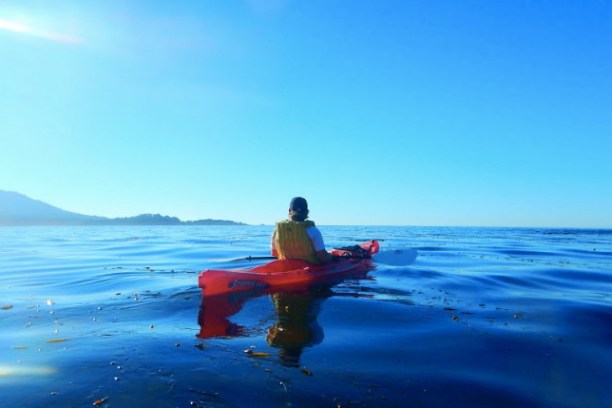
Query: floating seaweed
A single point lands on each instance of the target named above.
(100, 401)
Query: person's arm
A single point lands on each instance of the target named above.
(324, 257)
(273, 245)
(319, 246)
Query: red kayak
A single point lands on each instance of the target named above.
(288, 273)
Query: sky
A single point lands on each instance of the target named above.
(432, 113)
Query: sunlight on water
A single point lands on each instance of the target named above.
(25, 371)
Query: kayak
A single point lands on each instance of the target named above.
(289, 273)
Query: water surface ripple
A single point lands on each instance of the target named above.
(112, 316)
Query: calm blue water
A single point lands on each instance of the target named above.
(482, 318)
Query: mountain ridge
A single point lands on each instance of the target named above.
(17, 209)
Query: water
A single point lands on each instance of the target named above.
(483, 317)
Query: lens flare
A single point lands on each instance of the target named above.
(34, 32)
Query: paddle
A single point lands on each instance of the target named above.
(254, 258)
(396, 257)
(257, 258)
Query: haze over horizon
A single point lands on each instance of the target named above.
(446, 113)
(36, 213)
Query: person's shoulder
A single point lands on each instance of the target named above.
(312, 227)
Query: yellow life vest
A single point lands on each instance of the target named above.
(292, 241)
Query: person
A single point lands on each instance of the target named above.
(299, 238)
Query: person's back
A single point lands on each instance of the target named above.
(292, 241)
(298, 238)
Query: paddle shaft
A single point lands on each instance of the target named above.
(256, 258)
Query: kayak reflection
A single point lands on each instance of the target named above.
(295, 327)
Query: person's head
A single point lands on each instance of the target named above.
(298, 209)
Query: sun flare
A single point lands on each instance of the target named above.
(8, 25)
(46, 35)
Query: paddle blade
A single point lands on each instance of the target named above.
(396, 257)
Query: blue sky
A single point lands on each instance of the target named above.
(449, 112)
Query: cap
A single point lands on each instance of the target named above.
(298, 204)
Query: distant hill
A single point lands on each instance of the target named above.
(17, 209)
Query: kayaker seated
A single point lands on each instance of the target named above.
(298, 238)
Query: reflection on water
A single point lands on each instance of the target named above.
(295, 326)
